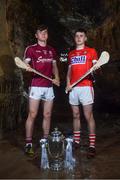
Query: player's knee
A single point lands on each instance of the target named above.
(88, 116)
(76, 115)
(32, 114)
(47, 115)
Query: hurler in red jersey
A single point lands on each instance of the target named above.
(81, 59)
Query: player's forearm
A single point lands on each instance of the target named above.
(98, 71)
(68, 76)
(27, 61)
(56, 74)
(55, 71)
(68, 81)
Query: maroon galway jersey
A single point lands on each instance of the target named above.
(41, 59)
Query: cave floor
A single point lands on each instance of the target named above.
(15, 165)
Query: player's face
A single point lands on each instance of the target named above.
(80, 38)
(42, 35)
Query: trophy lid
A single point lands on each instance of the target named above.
(56, 135)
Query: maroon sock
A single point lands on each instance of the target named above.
(45, 136)
(28, 140)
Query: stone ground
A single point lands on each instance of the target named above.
(106, 164)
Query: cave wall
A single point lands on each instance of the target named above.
(10, 81)
(5, 50)
(18, 21)
(106, 36)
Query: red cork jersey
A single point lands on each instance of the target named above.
(81, 61)
(41, 59)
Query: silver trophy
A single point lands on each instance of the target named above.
(56, 150)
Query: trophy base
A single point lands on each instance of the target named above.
(57, 165)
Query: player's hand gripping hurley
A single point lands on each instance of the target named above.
(23, 65)
(104, 58)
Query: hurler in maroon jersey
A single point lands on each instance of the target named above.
(42, 58)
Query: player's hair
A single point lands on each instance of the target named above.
(80, 30)
(41, 27)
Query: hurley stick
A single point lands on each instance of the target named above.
(23, 65)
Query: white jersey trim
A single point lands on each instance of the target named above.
(54, 61)
(94, 61)
(27, 49)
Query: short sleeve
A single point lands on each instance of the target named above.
(27, 55)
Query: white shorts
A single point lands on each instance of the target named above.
(81, 95)
(41, 93)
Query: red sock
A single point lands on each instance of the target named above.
(77, 136)
(92, 138)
